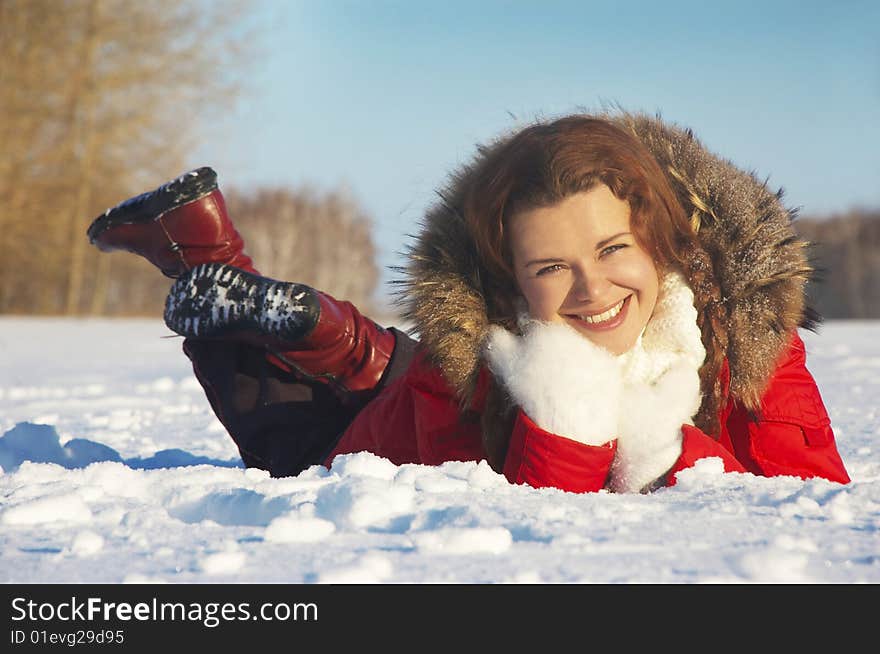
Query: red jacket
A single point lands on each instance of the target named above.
(417, 419)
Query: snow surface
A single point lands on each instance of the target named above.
(116, 470)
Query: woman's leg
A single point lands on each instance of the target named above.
(281, 421)
(184, 223)
(285, 398)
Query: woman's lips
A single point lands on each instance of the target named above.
(604, 325)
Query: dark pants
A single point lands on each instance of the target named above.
(282, 422)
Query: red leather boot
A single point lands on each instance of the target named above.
(176, 226)
(303, 329)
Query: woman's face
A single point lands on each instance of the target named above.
(577, 262)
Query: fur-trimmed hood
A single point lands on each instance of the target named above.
(760, 263)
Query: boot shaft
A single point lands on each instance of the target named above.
(345, 347)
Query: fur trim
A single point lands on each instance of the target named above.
(564, 383)
(761, 264)
(441, 294)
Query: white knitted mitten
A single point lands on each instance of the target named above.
(650, 438)
(567, 385)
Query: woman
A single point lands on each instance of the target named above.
(599, 303)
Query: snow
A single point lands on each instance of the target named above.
(115, 470)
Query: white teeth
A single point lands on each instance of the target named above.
(606, 315)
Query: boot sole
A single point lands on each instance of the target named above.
(219, 301)
(150, 206)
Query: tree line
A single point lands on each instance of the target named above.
(845, 251)
(103, 99)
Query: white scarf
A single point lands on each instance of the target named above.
(661, 388)
(671, 336)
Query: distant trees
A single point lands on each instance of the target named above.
(322, 239)
(101, 100)
(846, 252)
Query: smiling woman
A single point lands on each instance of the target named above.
(599, 303)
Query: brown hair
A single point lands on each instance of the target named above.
(546, 162)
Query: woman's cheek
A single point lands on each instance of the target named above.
(544, 297)
(637, 273)
(640, 276)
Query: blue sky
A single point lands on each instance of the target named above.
(387, 97)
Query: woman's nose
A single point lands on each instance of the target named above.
(589, 286)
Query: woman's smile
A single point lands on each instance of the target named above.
(603, 320)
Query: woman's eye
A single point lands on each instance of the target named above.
(613, 248)
(550, 269)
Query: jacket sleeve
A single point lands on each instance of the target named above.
(696, 445)
(791, 433)
(539, 458)
(415, 419)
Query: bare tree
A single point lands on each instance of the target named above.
(98, 98)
